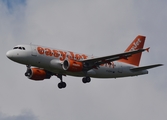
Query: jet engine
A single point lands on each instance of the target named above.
(72, 65)
(37, 74)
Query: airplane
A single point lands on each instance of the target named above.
(48, 62)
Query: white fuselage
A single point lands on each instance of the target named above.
(52, 59)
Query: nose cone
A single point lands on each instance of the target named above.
(18, 56)
(9, 54)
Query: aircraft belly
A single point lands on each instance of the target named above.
(103, 72)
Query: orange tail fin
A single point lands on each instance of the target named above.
(138, 43)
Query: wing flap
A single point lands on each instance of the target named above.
(145, 67)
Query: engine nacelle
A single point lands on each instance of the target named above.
(72, 65)
(37, 74)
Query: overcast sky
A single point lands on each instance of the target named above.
(98, 27)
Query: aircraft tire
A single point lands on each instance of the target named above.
(86, 79)
(62, 85)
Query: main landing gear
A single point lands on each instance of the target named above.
(86, 79)
(63, 84)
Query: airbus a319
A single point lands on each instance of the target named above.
(45, 62)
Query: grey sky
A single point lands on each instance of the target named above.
(25, 115)
(92, 27)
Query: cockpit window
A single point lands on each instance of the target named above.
(15, 48)
(21, 48)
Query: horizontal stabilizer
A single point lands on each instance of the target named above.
(145, 67)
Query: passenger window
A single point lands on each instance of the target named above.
(23, 48)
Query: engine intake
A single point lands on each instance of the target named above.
(72, 65)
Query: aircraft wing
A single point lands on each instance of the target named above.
(95, 62)
(145, 67)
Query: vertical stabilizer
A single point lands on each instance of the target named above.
(138, 43)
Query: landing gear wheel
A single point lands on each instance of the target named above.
(62, 85)
(27, 74)
(86, 79)
(59, 85)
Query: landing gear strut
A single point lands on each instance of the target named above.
(28, 72)
(61, 84)
(86, 79)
